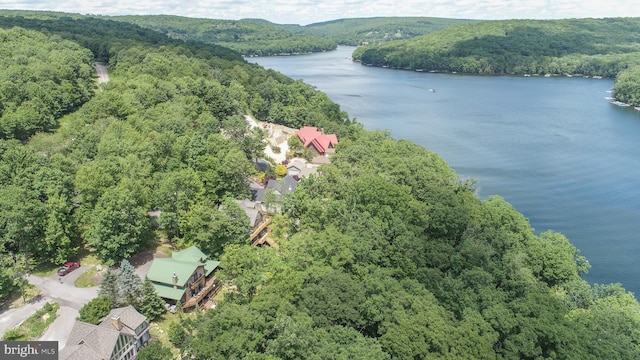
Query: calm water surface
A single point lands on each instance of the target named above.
(552, 147)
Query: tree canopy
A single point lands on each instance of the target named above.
(577, 46)
(386, 253)
(167, 134)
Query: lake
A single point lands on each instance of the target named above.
(553, 147)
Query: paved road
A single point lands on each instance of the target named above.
(70, 298)
(103, 74)
(53, 289)
(62, 291)
(12, 317)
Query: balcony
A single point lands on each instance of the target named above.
(258, 231)
(197, 283)
(210, 289)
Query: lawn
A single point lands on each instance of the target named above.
(87, 257)
(87, 279)
(16, 299)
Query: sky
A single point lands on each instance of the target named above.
(305, 12)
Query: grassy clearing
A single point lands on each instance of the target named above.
(35, 325)
(165, 248)
(45, 270)
(86, 280)
(87, 257)
(16, 299)
(160, 327)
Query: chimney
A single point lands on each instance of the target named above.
(175, 280)
(115, 321)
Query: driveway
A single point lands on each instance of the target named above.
(53, 289)
(11, 318)
(61, 290)
(70, 298)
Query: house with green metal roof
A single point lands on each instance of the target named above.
(188, 276)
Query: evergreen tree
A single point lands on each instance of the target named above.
(151, 304)
(108, 287)
(129, 284)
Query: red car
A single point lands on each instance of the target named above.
(68, 267)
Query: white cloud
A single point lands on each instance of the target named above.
(309, 11)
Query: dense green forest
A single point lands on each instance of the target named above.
(250, 37)
(359, 31)
(385, 254)
(149, 139)
(588, 47)
(256, 37)
(259, 37)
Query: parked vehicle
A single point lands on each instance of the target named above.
(68, 267)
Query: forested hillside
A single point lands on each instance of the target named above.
(259, 37)
(149, 139)
(359, 31)
(583, 46)
(42, 78)
(250, 37)
(588, 47)
(385, 254)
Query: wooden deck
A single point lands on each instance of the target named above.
(256, 234)
(210, 290)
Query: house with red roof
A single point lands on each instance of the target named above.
(316, 140)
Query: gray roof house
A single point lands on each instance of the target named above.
(280, 189)
(301, 168)
(118, 336)
(251, 209)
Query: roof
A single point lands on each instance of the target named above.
(83, 351)
(191, 253)
(310, 135)
(168, 292)
(249, 208)
(284, 186)
(302, 167)
(88, 341)
(183, 264)
(262, 165)
(129, 317)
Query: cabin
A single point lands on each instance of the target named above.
(316, 141)
(118, 336)
(188, 277)
(301, 168)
